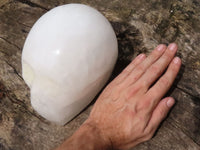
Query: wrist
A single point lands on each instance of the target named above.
(92, 132)
(87, 137)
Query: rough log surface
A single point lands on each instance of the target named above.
(140, 26)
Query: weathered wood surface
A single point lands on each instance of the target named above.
(140, 26)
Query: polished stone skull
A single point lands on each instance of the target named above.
(67, 58)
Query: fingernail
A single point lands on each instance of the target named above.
(176, 60)
(172, 47)
(170, 102)
(160, 47)
(141, 56)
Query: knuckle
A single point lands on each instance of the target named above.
(129, 68)
(135, 77)
(142, 84)
(142, 106)
(155, 69)
(148, 137)
(167, 56)
(162, 113)
(111, 91)
(132, 92)
(116, 93)
(140, 130)
(174, 69)
(119, 78)
(164, 81)
(148, 134)
(130, 112)
(126, 71)
(140, 68)
(139, 107)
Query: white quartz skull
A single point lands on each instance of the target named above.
(67, 58)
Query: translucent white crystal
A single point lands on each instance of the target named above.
(67, 58)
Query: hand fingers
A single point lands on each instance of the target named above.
(156, 92)
(156, 69)
(141, 68)
(135, 62)
(122, 76)
(159, 114)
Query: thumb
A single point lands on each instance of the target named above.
(160, 113)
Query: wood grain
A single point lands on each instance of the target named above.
(139, 26)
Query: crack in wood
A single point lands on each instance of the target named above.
(15, 71)
(15, 100)
(10, 96)
(23, 24)
(10, 43)
(180, 128)
(3, 52)
(17, 21)
(186, 92)
(190, 112)
(2, 90)
(32, 4)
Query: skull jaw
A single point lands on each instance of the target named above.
(59, 116)
(62, 109)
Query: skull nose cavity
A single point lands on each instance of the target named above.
(27, 73)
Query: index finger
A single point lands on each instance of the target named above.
(160, 88)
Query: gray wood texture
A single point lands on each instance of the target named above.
(140, 26)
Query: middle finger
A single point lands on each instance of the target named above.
(157, 68)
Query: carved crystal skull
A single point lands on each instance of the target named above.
(67, 58)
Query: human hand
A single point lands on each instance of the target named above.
(130, 108)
